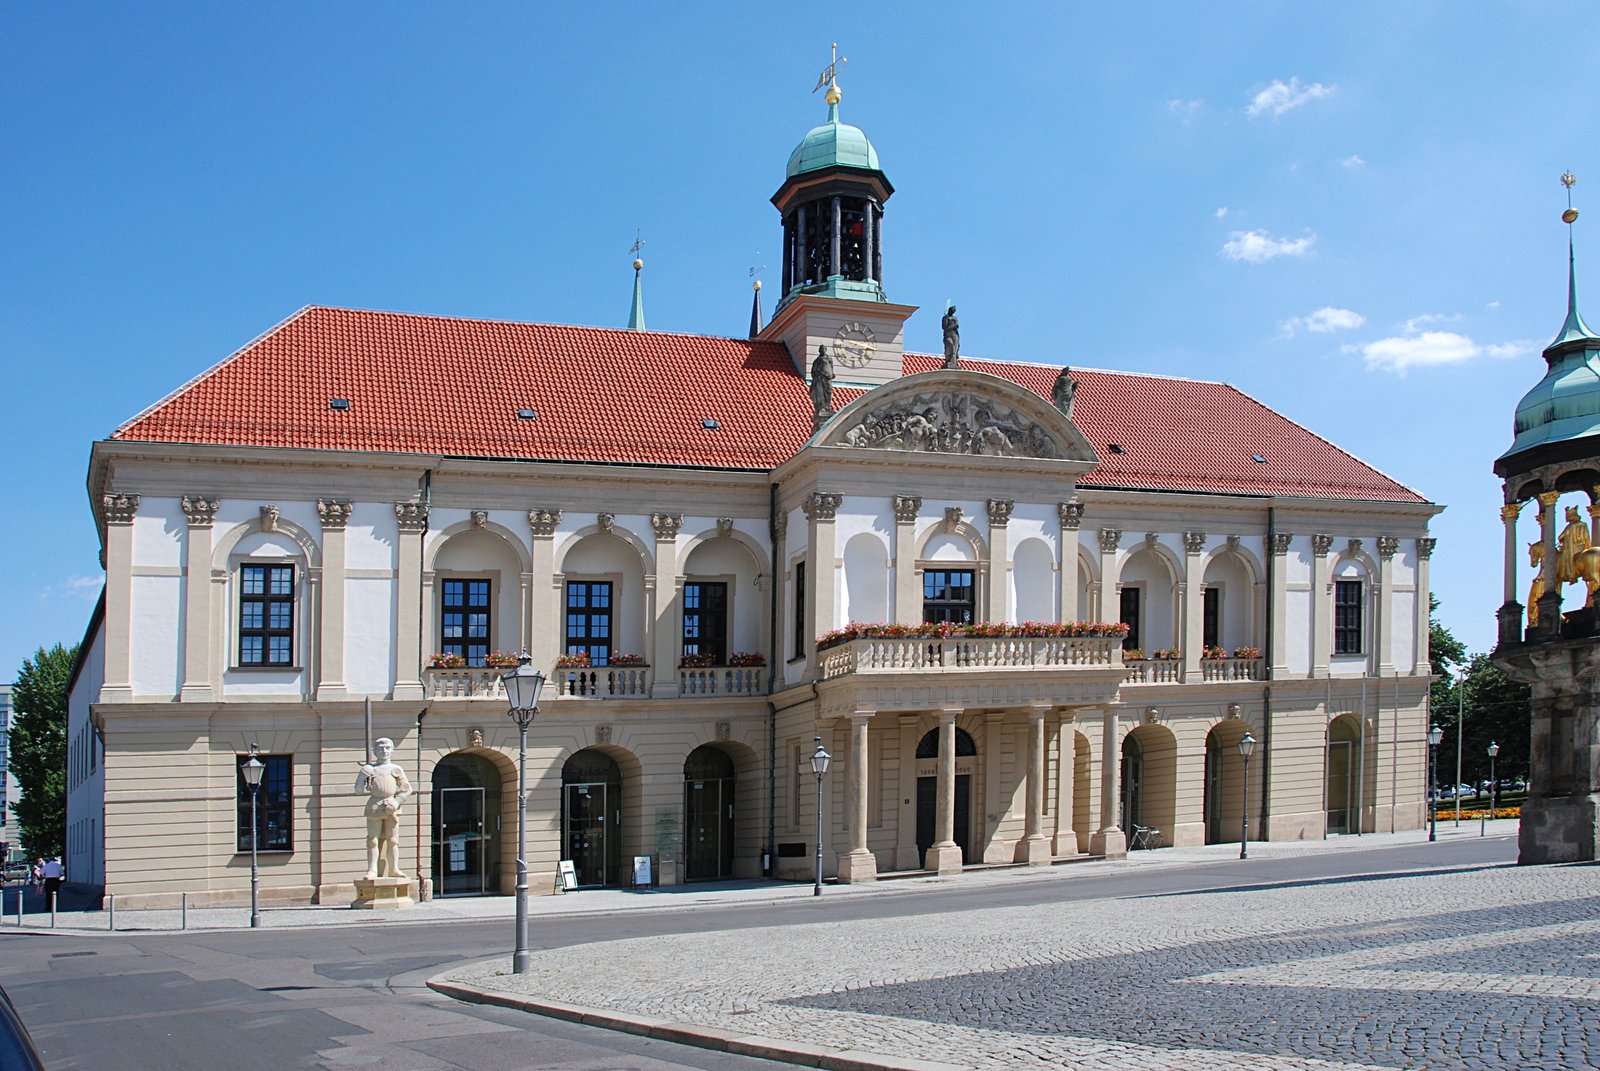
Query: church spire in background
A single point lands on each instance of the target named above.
(636, 312)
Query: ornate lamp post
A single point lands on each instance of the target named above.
(819, 766)
(1494, 787)
(1247, 747)
(1435, 735)
(253, 769)
(523, 686)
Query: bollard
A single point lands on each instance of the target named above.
(183, 914)
(52, 912)
(111, 910)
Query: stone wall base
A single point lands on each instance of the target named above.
(1561, 830)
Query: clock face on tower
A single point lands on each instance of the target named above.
(854, 344)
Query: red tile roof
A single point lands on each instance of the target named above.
(434, 385)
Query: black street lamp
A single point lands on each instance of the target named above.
(1435, 735)
(1494, 787)
(523, 686)
(1247, 746)
(819, 766)
(253, 768)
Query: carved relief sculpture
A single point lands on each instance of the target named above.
(480, 519)
(906, 508)
(724, 527)
(666, 525)
(120, 509)
(1387, 545)
(605, 521)
(269, 518)
(952, 519)
(387, 789)
(1321, 543)
(333, 513)
(1071, 514)
(1353, 548)
(1109, 538)
(943, 422)
(1425, 545)
(1152, 540)
(543, 522)
(1281, 541)
(1194, 542)
(1000, 512)
(821, 506)
(413, 516)
(1064, 392)
(199, 511)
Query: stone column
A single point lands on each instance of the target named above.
(1071, 517)
(1550, 601)
(907, 609)
(666, 628)
(834, 258)
(868, 226)
(1035, 845)
(999, 557)
(1110, 575)
(820, 509)
(1510, 612)
(1425, 545)
(544, 635)
(945, 855)
(1194, 604)
(858, 864)
(1384, 596)
(412, 518)
(118, 511)
(335, 515)
(199, 513)
(1109, 841)
(1279, 596)
(1321, 605)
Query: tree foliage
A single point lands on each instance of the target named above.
(1444, 652)
(39, 749)
(1492, 706)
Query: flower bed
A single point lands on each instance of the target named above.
(945, 630)
(447, 661)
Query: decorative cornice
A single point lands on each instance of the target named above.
(543, 522)
(906, 508)
(1321, 543)
(1425, 545)
(333, 513)
(821, 506)
(199, 511)
(1109, 538)
(724, 527)
(1510, 511)
(412, 516)
(1280, 543)
(952, 518)
(1387, 545)
(1194, 542)
(119, 509)
(1070, 514)
(666, 525)
(1000, 512)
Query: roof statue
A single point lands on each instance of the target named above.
(1064, 392)
(952, 338)
(821, 387)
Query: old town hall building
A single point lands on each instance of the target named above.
(1031, 614)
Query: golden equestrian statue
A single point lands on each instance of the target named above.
(1576, 559)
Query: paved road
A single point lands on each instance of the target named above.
(354, 996)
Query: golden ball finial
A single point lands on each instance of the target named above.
(834, 96)
(1569, 216)
(756, 285)
(637, 264)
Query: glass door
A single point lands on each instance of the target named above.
(1340, 769)
(586, 832)
(461, 866)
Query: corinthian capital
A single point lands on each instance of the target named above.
(1109, 538)
(119, 509)
(413, 516)
(666, 525)
(822, 505)
(1281, 541)
(1000, 512)
(1387, 545)
(1321, 543)
(543, 522)
(334, 514)
(199, 511)
(906, 508)
(1194, 542)
(1510, 511)
(1071, 514)
(1425, 547)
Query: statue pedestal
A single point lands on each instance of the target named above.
(382, 894)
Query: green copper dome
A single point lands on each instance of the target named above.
(833, 144)
(1565, 404)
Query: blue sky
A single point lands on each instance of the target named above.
(1349, 211)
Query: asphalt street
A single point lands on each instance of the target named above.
(337, 996)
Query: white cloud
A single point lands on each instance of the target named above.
(86, 588)
(1281, 96)
(1255, 247)
(1417, 323)
(1185, 110)
(1401, 353)
(1324, 321)
(1495, 304)
(1353, 161)
(1222, 213)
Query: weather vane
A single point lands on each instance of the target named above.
(830, 73)
(638, 244)
(1568, 179)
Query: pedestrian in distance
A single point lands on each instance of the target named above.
(53, 873)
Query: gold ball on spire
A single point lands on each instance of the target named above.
(637, 264)
(834, 96)
(1569, 216)
(756, 285)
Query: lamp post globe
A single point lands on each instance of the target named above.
(819, 766)
(1247, 747)
(1494, 785)
(252, 769)
(523, 686)
(1435, 734)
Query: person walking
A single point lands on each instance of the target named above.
(53, 873)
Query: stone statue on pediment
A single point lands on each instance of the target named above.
(1064, 392)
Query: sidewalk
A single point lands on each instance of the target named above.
(75, 917)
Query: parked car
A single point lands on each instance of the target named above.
(17, 1051)
(17, 870)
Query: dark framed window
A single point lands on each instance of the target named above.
(266, 615)
(464, 620)
(799, 609)
(948, 595)
(1130, 616)
(705, 620)
(1347, 599)
(1211, 618)
(274, 804)
(589, 620)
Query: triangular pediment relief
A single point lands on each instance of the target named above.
(957, 412)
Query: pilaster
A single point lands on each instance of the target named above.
(412, 520)
(1070, 515)
(907, 596)
(999, 557)
(1194, 604)
(335, 515)
(665, 629)
(199, 513)
(544, 633)
(1425, 545)
(820, 508)
(1110, 574)
(1279, 595)
(1383, 641)
(119, 511)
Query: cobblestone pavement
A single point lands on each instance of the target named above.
(1480, 968)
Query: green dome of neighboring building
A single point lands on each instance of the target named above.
(833, 144)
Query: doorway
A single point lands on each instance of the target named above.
(1343, 791)
(928, 794)
(466, 827)
(708, 795)
(591, 817)
(1132, 813)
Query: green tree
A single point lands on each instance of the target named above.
(1444, 652)
(39, 749)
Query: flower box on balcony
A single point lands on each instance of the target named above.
(447, 661)
(942, 630)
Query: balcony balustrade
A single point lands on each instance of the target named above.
(480, 682)
(602, 682)
(891, 654)
(1153, 671)
(1232, 669)
(723, 680)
